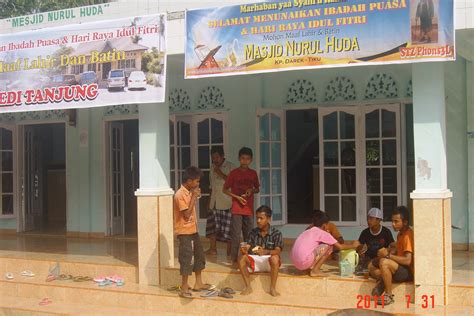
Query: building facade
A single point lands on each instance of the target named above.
(342, 139)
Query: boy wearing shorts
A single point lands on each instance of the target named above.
(394, 264)
(314, 246)
(261, 251)
(186, 229)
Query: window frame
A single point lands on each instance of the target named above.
(284, 199)
(16, 188)
(193, 120)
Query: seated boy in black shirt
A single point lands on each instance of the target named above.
(373, 238)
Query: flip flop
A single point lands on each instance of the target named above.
(211, 293)
(114, 278)
(65, 277)
(228, 290)
(27, 273)
(82, 279)
(9, 276)
(105, 283)
(99, 279)
(174, 288)
(224, 294)
(207, 287)
(120, 283)
(51, 277)
(45, 301)
(185, 294)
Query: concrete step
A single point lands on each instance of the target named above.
(27, 306)
(153, 300)
(299, 285)
(461, 295)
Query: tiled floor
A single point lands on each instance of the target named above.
(59, 248)
(117, 251)
(463, 268)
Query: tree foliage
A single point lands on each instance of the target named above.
(152, 61)
(13, 8)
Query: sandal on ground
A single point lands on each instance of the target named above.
(9, 276)
(105, 283)
(210, 293)
(385, 300)
(65, 277)
(185, 294)
(379, 288)
(228, 290)
(114, 278)
(99, 279)
(45, 301)
(224, 294)
(82, 279)
(174, 288)
(27, 273)
(51, 277)
(206, 287)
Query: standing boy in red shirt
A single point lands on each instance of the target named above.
(241, 184)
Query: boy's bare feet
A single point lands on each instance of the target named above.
(273, 292)
(246, 291)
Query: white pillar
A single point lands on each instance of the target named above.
(155, 197)
(431, 198)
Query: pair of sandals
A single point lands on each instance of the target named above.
(225, 293)
(68, 277)
(188, 294)
(106, 281)
(26, 273)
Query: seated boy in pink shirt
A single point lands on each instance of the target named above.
(314, 246)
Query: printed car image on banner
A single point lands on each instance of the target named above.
(84, 65)
(300, 34)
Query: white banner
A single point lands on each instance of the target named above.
(84, 65)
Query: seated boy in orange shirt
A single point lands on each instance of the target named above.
(396, 263)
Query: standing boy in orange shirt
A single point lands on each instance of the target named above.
(185, 226)
(395, 264)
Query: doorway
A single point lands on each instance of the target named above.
(343, 160)
(302, 152)
(122, 176)
(43, 176)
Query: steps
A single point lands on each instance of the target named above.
(332, 286)
(72, 298)
(301, 295)
(27, 306)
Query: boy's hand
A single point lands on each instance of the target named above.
(245, 249)
(249, 192)
(197, 192)
(219, 171)
(241, 200)
(259, 251)
(383, 252)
